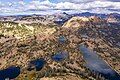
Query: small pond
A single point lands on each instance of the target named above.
(62, 39)
(60, 56)
(9, 73)
(37, 64)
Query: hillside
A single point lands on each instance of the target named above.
(99, 36)
(20, 30)
(57, 48)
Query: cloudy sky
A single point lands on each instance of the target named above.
(12, 7)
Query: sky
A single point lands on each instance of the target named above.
(14, 7)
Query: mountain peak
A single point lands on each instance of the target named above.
(82, 21)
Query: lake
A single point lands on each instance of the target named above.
(37, 64)
(60, 56)
(95, 63)
(9, 73)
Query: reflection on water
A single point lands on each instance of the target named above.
(37, 64)
(60, 56)
(9, 73)
(94, 63)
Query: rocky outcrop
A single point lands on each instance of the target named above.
(112, 19)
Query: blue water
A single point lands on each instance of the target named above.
(37, 64)
(9, 73)
(60, 56)
(62, 39)
(94, 63)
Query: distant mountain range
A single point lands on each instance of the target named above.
(62, 17)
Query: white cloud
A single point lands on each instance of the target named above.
(67, 5)
(99, 6)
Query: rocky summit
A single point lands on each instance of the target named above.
(44, 48)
